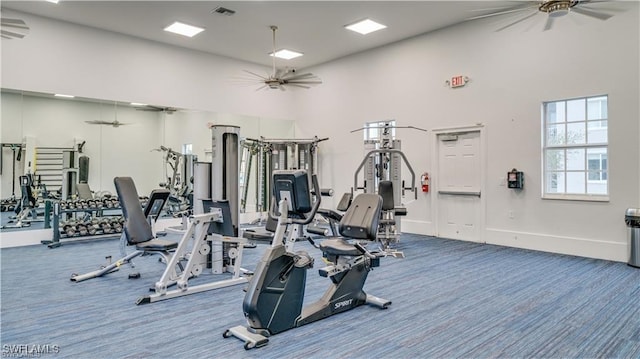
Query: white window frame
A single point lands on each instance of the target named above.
(373, 129)
(588, 124)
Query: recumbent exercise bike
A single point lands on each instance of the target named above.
(273, 302)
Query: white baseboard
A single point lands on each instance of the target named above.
(582, 247)
(417, 227)
(26, 237)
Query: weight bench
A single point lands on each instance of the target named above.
(137, 230)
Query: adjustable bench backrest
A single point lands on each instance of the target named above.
(361, 219)
(136, 227)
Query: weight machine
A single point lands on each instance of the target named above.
(179, 170)
(382, 172)
(275, 154)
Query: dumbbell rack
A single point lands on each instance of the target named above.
(97, 214)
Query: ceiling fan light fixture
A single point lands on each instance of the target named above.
(557, 8)
(183, 29)
(286, 54)
(365, 26)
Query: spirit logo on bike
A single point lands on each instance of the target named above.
(344, 303)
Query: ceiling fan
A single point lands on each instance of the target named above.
(13, 28)
(553, 9)
(280, 79)
(115, 123)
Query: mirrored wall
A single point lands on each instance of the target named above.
(120, 139)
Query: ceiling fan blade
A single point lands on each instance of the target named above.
(507, 7)
(255, 74)
(588, 6)
(298, 85)
(312, 82)
(518, 21)
(299, 76)
(591, 13)
(10, 35)
(17, 23)
(549, 23)
(510, 11)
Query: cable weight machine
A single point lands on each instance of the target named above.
(382, 174)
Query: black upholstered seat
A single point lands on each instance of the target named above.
(136, 227)
(339, 247)
(359, 222)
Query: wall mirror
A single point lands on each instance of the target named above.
(119, 138)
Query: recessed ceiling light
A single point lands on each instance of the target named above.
(365, 26)
(63, 95)
(286, 54)
(183, 29)
(138, 104)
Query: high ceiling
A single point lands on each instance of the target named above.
(315, 28)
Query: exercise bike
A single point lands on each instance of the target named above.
(274, 299)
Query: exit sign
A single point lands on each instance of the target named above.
(457, 81)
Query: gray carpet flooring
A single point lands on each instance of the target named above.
(451, 299)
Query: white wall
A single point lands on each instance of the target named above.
(59, 57)
(512, 72)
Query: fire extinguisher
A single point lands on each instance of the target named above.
(424, 180)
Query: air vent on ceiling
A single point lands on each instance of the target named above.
(223, 11)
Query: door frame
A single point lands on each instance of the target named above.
(435, 156)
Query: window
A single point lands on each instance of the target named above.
(575, 148)
(374, 130)
(187, 148)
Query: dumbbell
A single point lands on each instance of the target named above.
(92, 228)
(82, 229)
(110, 203)
(106, 227)
(117, 227)
(69, 229)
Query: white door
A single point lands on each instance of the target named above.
(459, 186)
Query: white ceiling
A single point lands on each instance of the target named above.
(315, 28)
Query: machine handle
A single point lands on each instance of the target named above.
(404, 158)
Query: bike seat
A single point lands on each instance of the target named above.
(339, 247)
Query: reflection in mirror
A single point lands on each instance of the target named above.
(117, 138)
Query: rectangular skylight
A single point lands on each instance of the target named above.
(183, 29)
(365, 26)
(286, 54)
(63, 95)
